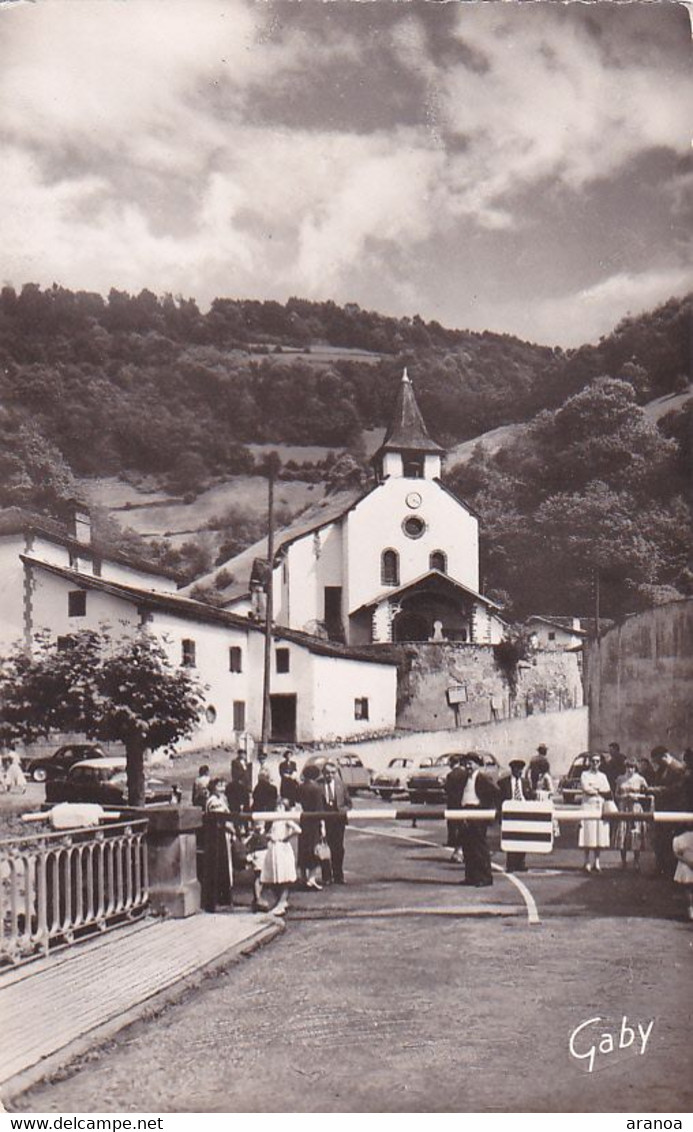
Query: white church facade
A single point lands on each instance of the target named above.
(399, 562)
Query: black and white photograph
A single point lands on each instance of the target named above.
(346, 559)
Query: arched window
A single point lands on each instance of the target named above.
(438, 561)
(389, 568)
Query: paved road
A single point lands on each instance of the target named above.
(383, 996)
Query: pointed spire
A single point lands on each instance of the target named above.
(407, 431)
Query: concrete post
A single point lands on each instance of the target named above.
(172, 858)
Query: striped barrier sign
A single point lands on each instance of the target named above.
(527, 827)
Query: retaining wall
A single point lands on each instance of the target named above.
(564, 733)
(443, 685)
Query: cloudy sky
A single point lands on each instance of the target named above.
(514, 167)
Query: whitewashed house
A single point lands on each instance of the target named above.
(54, 579)
(398, 562)
(556, 633)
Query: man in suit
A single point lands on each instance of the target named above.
(615, 765)
(240, 784)
(669, 790)
(479, 793)
(512, 787)
(288, 781)
(336, 798)
(265, 793)
(454, 787)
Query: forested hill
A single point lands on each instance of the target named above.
(591, 491)
(140, 383)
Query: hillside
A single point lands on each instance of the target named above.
(137, 384)
(163, 416)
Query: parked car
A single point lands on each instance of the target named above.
(104, 781)
(393, 780)
(427, 784)
(41, 767)
(354, 774)
(569, 784)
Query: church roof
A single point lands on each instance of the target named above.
(329, 510)
(436, 576)
(407, 431)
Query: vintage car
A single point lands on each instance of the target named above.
(354, 774)
(428, 783)
(569, 784)
(40, 767)
(392, 781)
(104, 781)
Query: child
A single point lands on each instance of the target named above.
(256, 846)
(279, 865)
(13, 775)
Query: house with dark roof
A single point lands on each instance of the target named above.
(397, 562)
(53, 578)
(66, 544)
(555, 632)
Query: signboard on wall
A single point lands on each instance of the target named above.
(457, 694)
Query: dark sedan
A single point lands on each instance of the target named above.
(40, 767)
(428, 784)
(103, 781)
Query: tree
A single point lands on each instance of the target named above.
(123, 690)
(601, 434)
(32, 471)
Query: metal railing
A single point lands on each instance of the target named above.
(57, 887)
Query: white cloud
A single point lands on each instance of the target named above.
(136, 152)
(576, 317)
(549, 104)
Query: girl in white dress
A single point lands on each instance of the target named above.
(279, 865)
(631, 790)
(594, 834)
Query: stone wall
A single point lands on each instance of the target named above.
(563, 732)
(445, 685)
(640, 681)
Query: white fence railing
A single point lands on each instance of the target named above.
(56, 887)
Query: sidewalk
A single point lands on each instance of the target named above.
(55, 1009)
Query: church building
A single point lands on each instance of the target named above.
(398, 562)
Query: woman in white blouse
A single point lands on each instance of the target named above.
(594, 833)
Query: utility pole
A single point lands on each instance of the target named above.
(597, 602)
(272, 469)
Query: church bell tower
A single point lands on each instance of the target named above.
(407, 451)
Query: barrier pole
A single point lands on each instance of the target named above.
(434, 814)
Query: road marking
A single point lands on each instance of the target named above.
(529, 901)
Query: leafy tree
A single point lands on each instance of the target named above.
(122, 689)
(600, 434)
(33, 473)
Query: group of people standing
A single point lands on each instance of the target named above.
(610, 783)
(467, 786)
(280, 852)
(622, 783)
